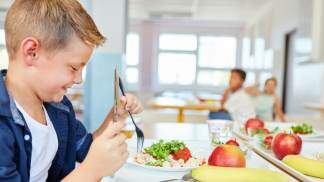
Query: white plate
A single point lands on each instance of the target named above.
(305, 152)
(287, 126)
(196, 151)
(174, 169)
(282, 127)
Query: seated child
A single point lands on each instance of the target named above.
(49, 42)
(267, 103)
(236, 104)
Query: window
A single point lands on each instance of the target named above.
(268, 59)
(257, 63)
(194, 60)
(132, 75)
(132, 58)
(246, 52)
(217, 52)
(213, 78)
(4, 59)
(263, 77)
(2, 37)
(185, 42)
(171, 68)
(217, 56)
(250, 78)
(176, 52)
(259, 53)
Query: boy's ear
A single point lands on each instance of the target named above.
(30, 47)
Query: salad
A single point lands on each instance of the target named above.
(264, 131)
(302, 129)
(168, 154)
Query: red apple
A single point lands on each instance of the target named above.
(253, 123)
(227, 156)
(286, 144)
(267, 141)
(232, 142)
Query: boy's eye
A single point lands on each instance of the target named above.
(74, 69)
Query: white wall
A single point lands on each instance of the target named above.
(110, 17)
(307, 79)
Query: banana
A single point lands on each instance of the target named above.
(305, 165)
(232, 174)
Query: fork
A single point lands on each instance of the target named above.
(186, 178)
(139, 132)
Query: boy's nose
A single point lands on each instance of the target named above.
(78, 78)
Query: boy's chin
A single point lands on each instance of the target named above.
(57, 98)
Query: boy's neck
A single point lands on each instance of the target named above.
(19, 89)
(236, 89)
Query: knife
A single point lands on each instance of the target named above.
(116, 95)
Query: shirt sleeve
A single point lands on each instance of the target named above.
(8, 169)
(83, 141)
(83, 138)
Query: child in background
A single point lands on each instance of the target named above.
(267, 103)
(49, 42)
(236, 104)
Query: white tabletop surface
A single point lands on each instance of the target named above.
(132, 173)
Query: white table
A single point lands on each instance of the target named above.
(185, 132)
(318, 107)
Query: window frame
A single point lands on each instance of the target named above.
(195, 86)
(133, 86)
(257, 71)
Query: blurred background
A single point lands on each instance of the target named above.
(176, 55)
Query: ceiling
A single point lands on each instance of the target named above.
(223, 10)
(216, 10)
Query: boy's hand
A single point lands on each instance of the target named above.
(130, 103)
(225, 97)
(107, 153)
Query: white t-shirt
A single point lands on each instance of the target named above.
(240, 105)
(44, 145)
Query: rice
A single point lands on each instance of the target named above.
(144, 158)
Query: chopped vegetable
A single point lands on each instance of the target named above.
(155, 163)
(215, 143)
(182, 154)
(275, 130)
(260, 131)
(168, 154)
(302, 129)
(267, 142)
(161, 150)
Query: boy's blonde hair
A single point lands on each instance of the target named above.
(52, 22)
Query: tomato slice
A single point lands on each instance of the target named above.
(182, 154)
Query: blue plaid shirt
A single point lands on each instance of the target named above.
(16, 139)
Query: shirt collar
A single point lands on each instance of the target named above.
(8, 107)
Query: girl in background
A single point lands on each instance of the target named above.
(267, 103)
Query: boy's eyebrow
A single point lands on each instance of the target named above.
(81, 64)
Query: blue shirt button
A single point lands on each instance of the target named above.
(26, 137)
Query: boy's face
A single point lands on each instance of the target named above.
(235, 81)
(55, 73)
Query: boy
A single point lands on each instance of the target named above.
(49, 42)
(236, 103)
(235, 100)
